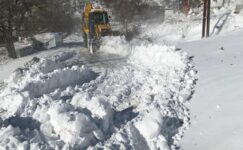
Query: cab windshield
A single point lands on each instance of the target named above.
(100, 17)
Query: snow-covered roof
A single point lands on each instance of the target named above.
(45, 37)
(22, 45)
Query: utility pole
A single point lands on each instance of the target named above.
(206, 18)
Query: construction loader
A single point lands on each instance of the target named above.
(95, 24)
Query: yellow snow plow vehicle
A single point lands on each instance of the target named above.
(95, 24)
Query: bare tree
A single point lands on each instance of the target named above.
(27, 17)
(7, 18)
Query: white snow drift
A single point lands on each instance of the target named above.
(47, 105)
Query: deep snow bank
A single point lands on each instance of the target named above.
(47, 105)
(115, 45)
(158, 57)
(158, 82)
(34, 112)
(217, 102)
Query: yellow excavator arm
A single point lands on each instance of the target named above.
(87, 9)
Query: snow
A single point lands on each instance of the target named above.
(56, 119)
(10, 138)
(74, 128)
(216, 105)
(75, 104)
(22, 45)
(3, 55)
(153, 119)
(48, 40)
(98, 107)
(12, 104)
(128, 95)
(178, 28)
(115, 45)
(11, 65)
(45, 37)
(157, 57)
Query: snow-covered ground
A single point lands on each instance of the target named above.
(72, 43)
(71, 99)
(216, 107)
(179, 28)
(127, 96)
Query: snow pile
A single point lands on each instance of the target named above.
(180, 28)
(99, 109)
(153, 120)
(73, 38)
(42, 84)
(175, 67)
(12, 103)
(171, 32)
(38, 68)
(36, 112)
(46, 105)
(158, 82)
(115, 45)
(11, 139)
(71, 126)
(59, 124)
(45, 37)
(158, 57)
(140, 103)
(3, 55)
